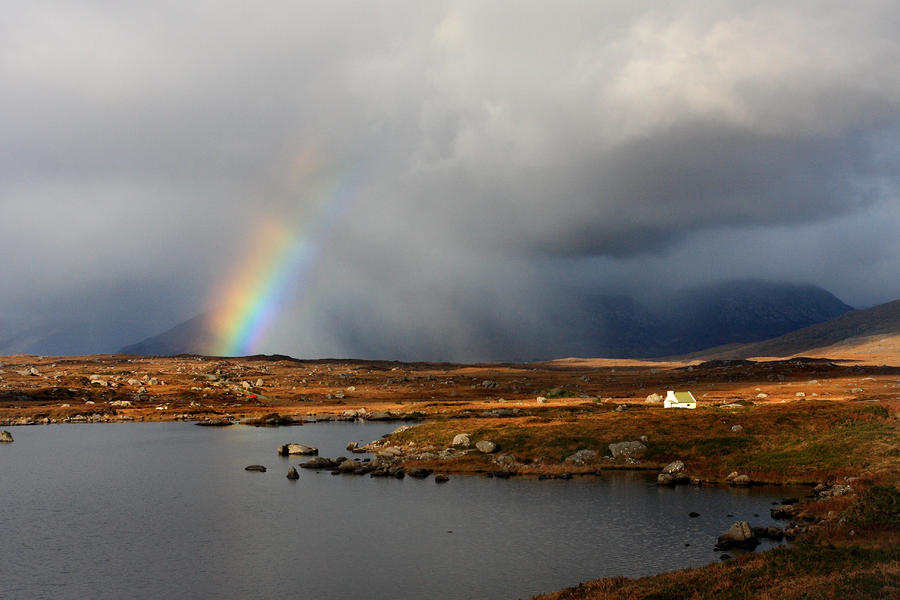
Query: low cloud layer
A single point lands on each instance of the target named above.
(484, 163)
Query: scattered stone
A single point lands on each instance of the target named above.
(259, 382)
(582, 456)
(674, 467)
(215, 423)
(762, 395)
(624, 449)
(259, 468)
(319, 462)
(121, 403)
(739, 535)
(737, 428)
(621, 408)
(6, 437)
(800, 395)
(286, 449)
(856, 390)
(486, 446)
(489, 384)
(292, 473)
(461, 439)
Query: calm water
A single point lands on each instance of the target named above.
(167, 510)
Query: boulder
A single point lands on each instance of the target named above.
(348, 466)
(665, 479)
(784, 511)
(654, 398)
(737, 428)
(258, 468)
(486, 446)
(6, 437)
(674, 467)
(381, 416)
(462, 439)
(441, 478)
(352, 446)
(739, 535)
(541, 400)
(625, 449)
(503, 473)
(582, 456)
(293, 474)
(420, 473)
(301, 449)
(319, 462)
(741, 480)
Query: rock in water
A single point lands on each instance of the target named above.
(286, 449)
(293, 474)
(6, 437)
(673, 468)
(739, 535)
(258, 468)
(441, 478)
(319, 462)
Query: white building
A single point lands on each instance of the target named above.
(679, 400)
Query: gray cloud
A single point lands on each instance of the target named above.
(496, 157)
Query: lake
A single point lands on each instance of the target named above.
(139, 510)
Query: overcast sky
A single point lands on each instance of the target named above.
(452, 163)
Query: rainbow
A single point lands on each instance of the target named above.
(278, 265)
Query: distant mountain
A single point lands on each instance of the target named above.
(588, 325)
(745, 311)
(194, 336)
(870, 334)
(65, 338)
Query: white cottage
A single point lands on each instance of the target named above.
(679, 400)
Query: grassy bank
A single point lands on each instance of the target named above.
(800, 442)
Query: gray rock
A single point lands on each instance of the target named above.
(624, 449)
(739, 535)
(741, 480)
(486, 446)
(737, 428)
(6, 437)
(381, 416)
(301, 449)
(293, 474)
(489, 384)
(582, 456)
(654, 398)
(259, 383)
(352, 446)
(348, 466)
(665, 479)
(461, 439)
(784, 511)
(258, 468)
(674, 467)
(420, 473)
(441, 478)
(319, 462)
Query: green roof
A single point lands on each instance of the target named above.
(684, 397)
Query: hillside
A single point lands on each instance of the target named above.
(870, 335)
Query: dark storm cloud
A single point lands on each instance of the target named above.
(498, 152)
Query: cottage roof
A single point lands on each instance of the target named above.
(684, 397)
